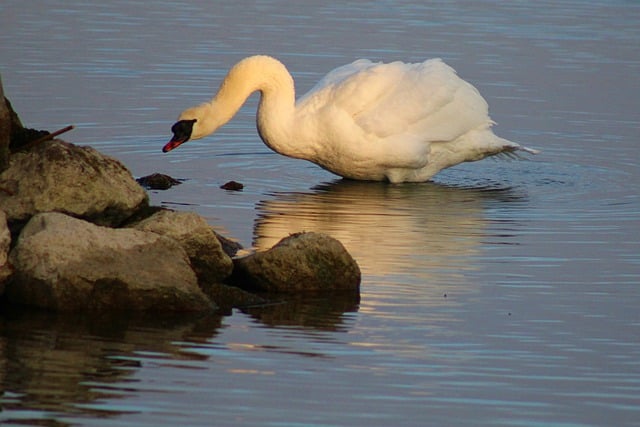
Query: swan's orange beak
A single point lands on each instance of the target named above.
(174, 143)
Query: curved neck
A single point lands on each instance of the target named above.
(277, 101)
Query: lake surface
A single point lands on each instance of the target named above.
(501, 293)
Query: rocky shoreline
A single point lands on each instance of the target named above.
(77, 233)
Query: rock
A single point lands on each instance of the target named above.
(64, 263)
(229, 297)
(5, 243)
(230, 247)
(62, 177)
(158, 181)
(302, 262)
(232, 186)
(198, 239)
(5, 130)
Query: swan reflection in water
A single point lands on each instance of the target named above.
(425, 236)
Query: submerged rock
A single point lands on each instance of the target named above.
(158, 181)
(302, 262)
(232, 186)
(193, 233)
(62, 177)
(64, 263)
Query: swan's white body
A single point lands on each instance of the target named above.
(368, 121)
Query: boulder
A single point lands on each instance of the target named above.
(64, 263)
(5, 130)
(5, 243)
(62, 177)
(198, 239)
(302, 262)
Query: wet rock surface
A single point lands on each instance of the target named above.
(228, 297)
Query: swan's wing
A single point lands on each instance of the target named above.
(337, 76)
(425, 101)
(429, 100)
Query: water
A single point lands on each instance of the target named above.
(502, 293)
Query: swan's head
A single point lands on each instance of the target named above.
(182, 130)
(193, 123)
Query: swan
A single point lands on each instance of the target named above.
(396, 122)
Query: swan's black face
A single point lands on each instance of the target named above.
(181, 133)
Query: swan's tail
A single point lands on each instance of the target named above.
(513, 151)
(527, 150)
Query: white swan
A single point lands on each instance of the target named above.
(367, 121)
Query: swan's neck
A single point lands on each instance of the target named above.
(277, 102)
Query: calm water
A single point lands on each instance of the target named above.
(502, 293)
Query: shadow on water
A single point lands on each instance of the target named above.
(51, 360)
(318, 312)
(60, 365)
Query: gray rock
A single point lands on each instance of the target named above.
(63, 263)
(62, 177)
(198, 239)
(5, 243)
(302, 262)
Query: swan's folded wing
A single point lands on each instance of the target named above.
(337, 76)
(425, 100)
(430, 101)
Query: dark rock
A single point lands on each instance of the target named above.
(11, 127)
(5, 130)
(198, 239)
(232, 186)
(67, 264)
(158, 181)
(302, 262)
(228, 297)
(230, 247)
(5, 244)
(62, 177)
